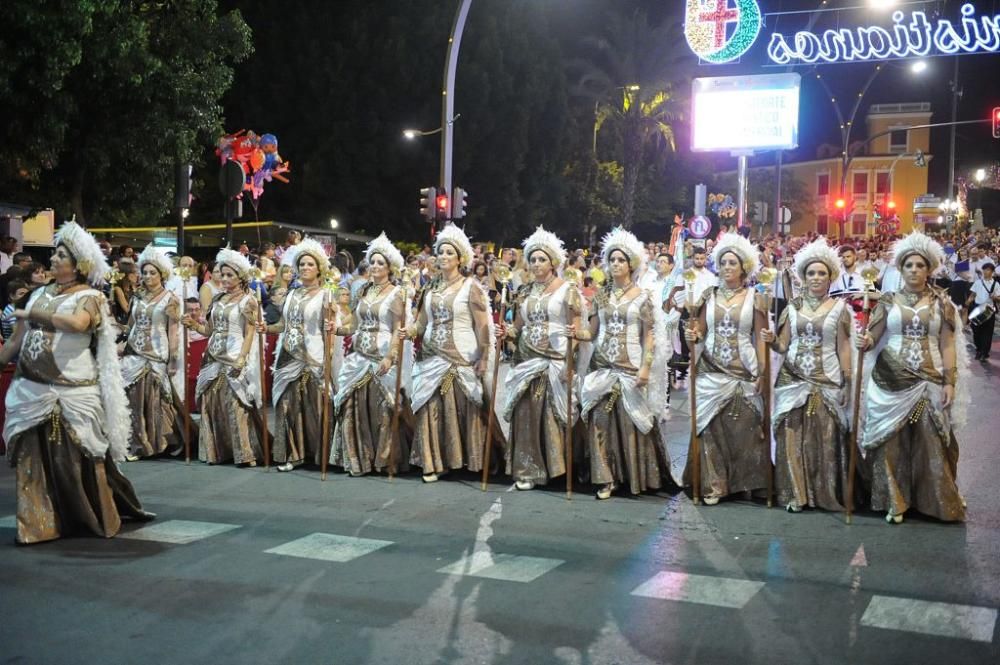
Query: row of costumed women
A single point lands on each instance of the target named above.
(602, 371)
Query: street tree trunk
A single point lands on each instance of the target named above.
(632, 161)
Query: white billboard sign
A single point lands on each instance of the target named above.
(746, 113)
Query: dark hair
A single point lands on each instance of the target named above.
(122, 248)
(12, 287)
(698, 250)
(988, 266)
(35, 267)
(21, 256)
(588, 281)
(670, 257)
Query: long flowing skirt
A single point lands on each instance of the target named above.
(811, 459)
(363, 440)
(734, 456)
(229, 429)
(298, 420)
(537, 450)
(620, 453)
(449, 433)
(62, 491)
(917, 468)
(156, 416)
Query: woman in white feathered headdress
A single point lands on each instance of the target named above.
(152, 357)
(228, 388)
(366, 383)
(622, 422)
(456, 326)
(546, 310)
(735, 453)
(916, 395)
(811, 415)
(297, 384)
(67, 420)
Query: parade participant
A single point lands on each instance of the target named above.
(915, 395)
(985, 297)
(730, 317)
(67, 421)
(547, 311)
(152, 357)
(447, 396)
(297, 393)
(811, 394)
(228, 388)
(622, 411)
(366, 384)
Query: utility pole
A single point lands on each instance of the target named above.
(448, 95)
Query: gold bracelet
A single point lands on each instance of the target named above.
(649, 358)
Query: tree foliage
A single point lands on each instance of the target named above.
(105, 96)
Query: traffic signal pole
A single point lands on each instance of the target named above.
(448, 95)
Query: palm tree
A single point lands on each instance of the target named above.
(634, 74)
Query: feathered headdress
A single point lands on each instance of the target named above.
(917, 243)
(741, 247)
(817, 251)
(158, 258)
(626, 242)
(309, 247)
(233, 259)
(384, 247)
(454, 236)
(549, 243)
(90, 260)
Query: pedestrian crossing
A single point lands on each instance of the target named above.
(952, 620)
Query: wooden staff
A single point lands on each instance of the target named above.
(766, 277)
(184, 274)
(327, 378)
(262, 344)
(573, 276)
(498, 346)
(394, 435)
(868, 274)
(694, 447)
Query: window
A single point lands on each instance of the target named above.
(897, 140)
(822, 225)
(860, 183)
(859, 224)
(882, 182)
(823, 184)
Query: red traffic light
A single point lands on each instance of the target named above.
(442, 202)
(840, 203)
(890, 205)
(996, 122)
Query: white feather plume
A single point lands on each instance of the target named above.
(230, 257)
(624, 241)
(306, 246)
(117, 416)
(384, 247)
(741, 247)
(89, 258)
(917, 243)
(454, 236)
(158, 258)
(818, 250)
(549, 243)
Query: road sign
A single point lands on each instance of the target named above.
(786, 215)
(699, 227)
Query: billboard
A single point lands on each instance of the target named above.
(745, 113)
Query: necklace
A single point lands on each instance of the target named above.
(62, 287)
(619, 292)
(813, 302)
(728, 293)
(538, 288)
(911, 298)
(444, 286)
(375, 289)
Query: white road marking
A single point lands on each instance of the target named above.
(506, 567)
(717, 591)
(9, 522)
(178, 532)
(965, 622)
(329, 547)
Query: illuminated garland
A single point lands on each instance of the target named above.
(706, 26)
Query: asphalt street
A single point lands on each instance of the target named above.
(250, 566)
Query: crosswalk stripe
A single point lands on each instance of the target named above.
(506, 567)
(329, 547)
(702, 589)
(8, 522)
(178, 532)
(966, 622)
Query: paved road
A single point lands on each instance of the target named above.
(244, 566)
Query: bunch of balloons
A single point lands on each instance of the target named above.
(257, 156)
(722, 205)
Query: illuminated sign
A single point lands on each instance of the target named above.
(738, 113)
(911, 35)
(706, 28)
(916, 38)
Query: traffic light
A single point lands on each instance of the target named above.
(891, 205)
(840, 204)
(183, 182)
(996, 122)
(427, 197)
(458, 202)
(441, 205)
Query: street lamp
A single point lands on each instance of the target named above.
(334, 224)
(918, 66)
(882, 4)
(980, 175)
(410, 134)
